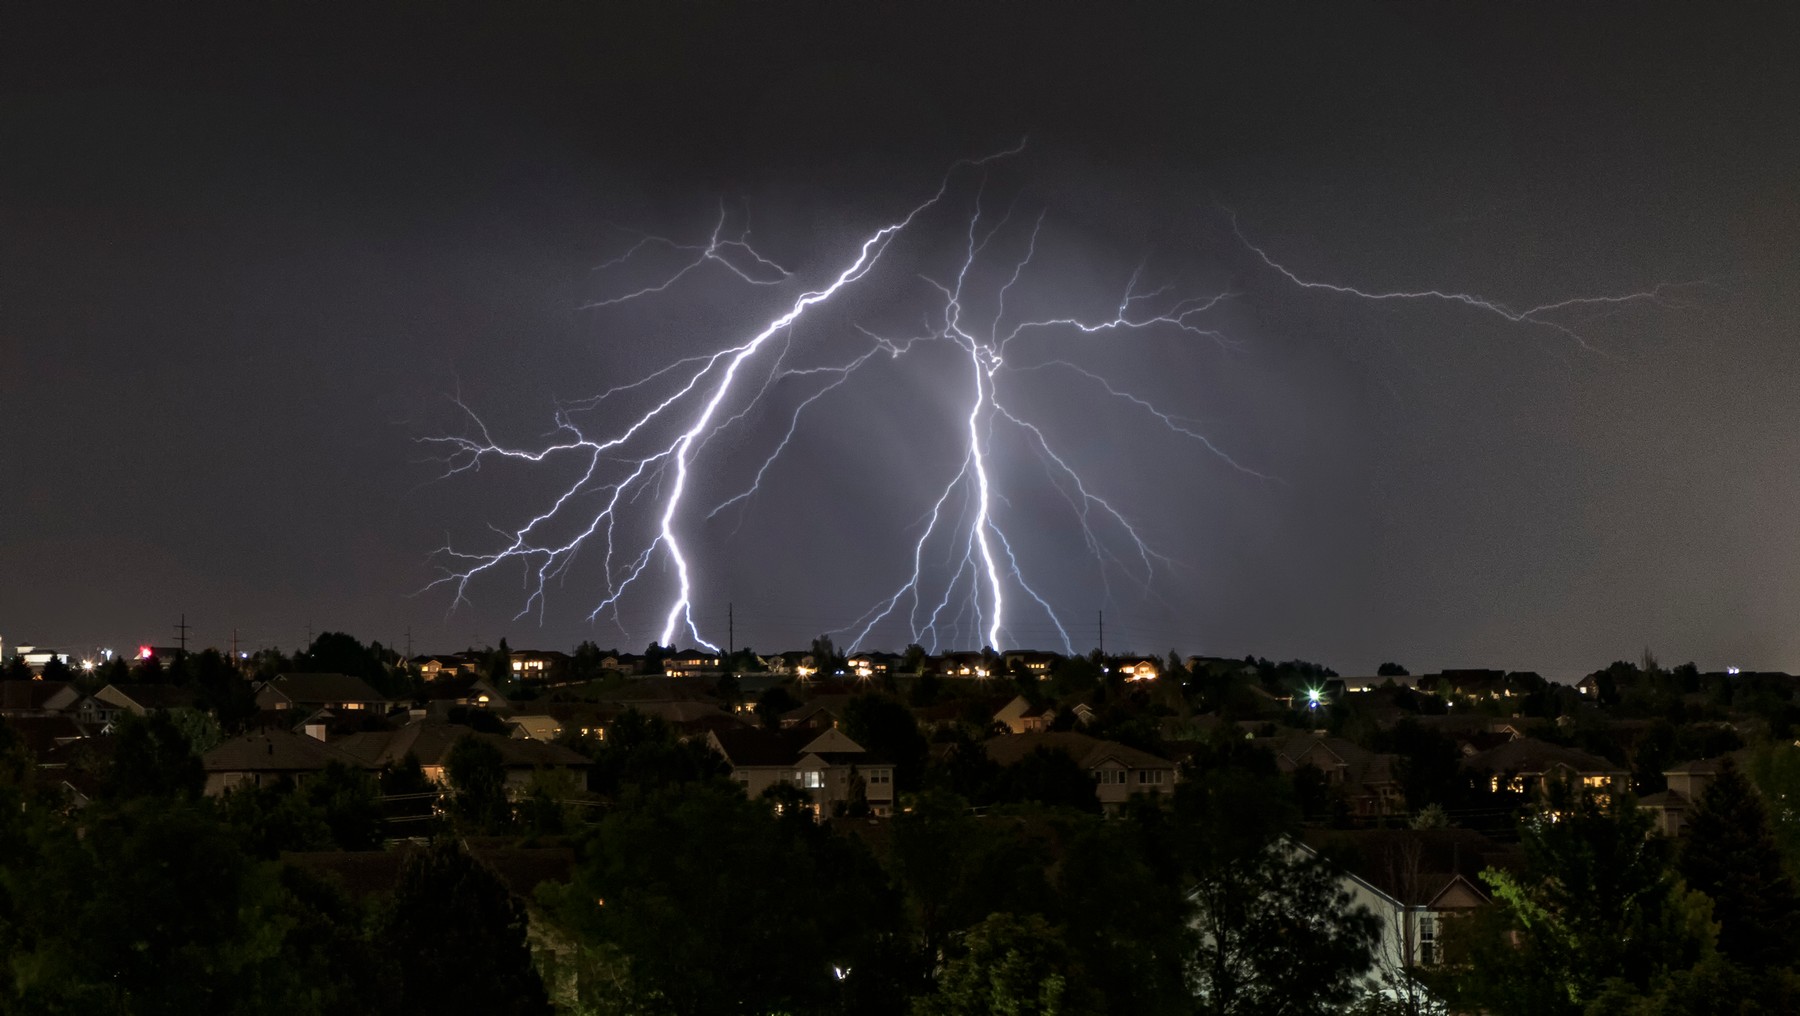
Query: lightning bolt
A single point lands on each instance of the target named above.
(964, 578)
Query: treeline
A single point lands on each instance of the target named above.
(685, 897)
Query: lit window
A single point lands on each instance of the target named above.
(812, 779)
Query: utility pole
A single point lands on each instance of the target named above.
(181, 631)
(234, 644)
(1102, 616)
(409, 642)
(730, 629)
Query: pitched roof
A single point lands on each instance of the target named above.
(321, 688)
(1412, 866)
(274, 751)
(150, 696)
(753, 746)
(1528, 755)
(431, 740)
(1087, 751)
(1358, 764)
(28, 696)
(43, 733)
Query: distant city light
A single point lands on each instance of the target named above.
(145, 652)
(1731, 670)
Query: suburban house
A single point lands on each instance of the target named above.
(821, 711)
(339, 693)
(1118, 770)
(1412, 880)
(1021, 717)
(37, 698)
(433, 667)
(536, 727)
(1528, 765)
(1137, 668)
(1369, 779)
(1687, 784)
(691, 664)
(537, 665)
(41, 734)
(115, 700)
(825, 765)
(1031, 661)
(430, 742)
(975, 665)
(268, 756)
(465, 689)
(869, 665)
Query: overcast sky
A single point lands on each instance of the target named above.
(247, 263)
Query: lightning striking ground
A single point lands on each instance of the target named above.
(981, 586)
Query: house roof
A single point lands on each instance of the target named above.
(43, 733)
(1412, 866)
(148, 696)
(753, 746)
(431, 740)
(1698, 767)
(321, 688)
(274, 751)
(28, 696)
(1088, 752)
(1358, 764)
(538, 726)
(1530, 756)
(465, 685)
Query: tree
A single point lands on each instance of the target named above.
(1050, 777)
(1728, 853)
(774, 701)
(1595, 899)
(825, 656)
(642, 751)
(478, 780)
(887, 730)
(1276, 932)
(1391, 670)
(152, 757)
(458, 937)
(152, 908)
(912, 660)
(685, 899)
(1010, 966)
(415, 813)
(1274, 929)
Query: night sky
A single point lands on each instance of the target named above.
(246, 264)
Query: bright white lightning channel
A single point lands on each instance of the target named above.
(650, 457)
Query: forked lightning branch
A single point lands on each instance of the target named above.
(629, 496)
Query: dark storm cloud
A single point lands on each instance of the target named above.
(243, 258)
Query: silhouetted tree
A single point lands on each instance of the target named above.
(457, 936)
(1728, 853)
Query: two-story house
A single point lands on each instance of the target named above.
(824, 764)
(1118, 770)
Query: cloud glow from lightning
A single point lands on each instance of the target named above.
(631, 498)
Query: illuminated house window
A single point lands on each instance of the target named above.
(812, 779)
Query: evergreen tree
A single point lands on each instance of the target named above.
(1729, 853)
(458, 937)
